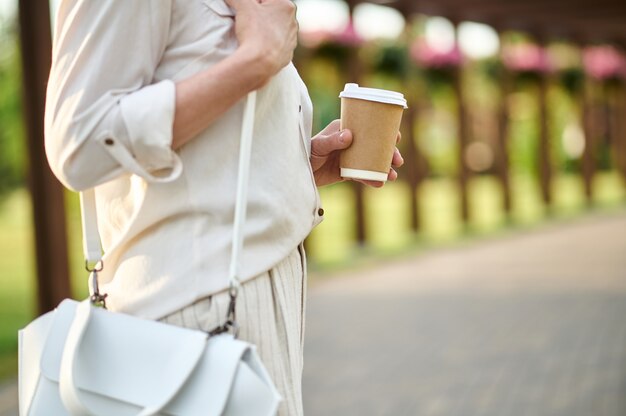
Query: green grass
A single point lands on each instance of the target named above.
(330, 245)
(17, 270)
(17, 285)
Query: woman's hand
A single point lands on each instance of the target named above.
(267, 29)
(325, 149)
(267, 35)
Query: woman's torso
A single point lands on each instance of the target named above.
(168, 244)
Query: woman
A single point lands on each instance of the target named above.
(145, 104)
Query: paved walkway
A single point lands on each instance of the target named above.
(8, 399)
(532, 324)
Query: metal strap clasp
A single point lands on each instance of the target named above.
(96, 298)
(231, 316)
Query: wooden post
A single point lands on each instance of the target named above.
(414, 170)
(47, 193)
(411, 157)
(619, 117)
(619, 121)
(588, 157)
(355, 70)
(502, 152)
(463, 176)
(608, 128)
(359, 205)
(545, 165)
(616, 127)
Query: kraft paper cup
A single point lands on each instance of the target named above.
(373, 116)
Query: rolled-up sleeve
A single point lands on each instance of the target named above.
(106, 115)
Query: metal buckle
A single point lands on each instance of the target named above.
(96, 299)
(231, 317)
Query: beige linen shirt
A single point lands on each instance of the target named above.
(165, 216)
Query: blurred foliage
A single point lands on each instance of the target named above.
(12, 150)
(437, 78)
(491, 68)
(572, 80)
(392, 59)
(334, 52)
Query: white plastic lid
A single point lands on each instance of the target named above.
(373, 94)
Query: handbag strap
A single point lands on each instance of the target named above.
(243, 177)
(92, 248)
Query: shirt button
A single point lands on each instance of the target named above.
(320, 212)
(109, 142)
(299, 109)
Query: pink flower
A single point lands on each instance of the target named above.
(348, 36)
(429, 57)
(526, 57)
(604, 62)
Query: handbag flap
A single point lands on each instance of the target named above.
(31, 341)
(124, 357)
(210, 385)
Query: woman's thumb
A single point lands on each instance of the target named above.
(337, 141)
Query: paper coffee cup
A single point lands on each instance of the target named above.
(373, 116)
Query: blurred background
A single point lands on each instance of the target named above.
(490, 279)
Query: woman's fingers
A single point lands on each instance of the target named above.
(392, 176)
(373, 184)
(266, 30)
(397, 159)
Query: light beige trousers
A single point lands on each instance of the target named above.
(270, 313)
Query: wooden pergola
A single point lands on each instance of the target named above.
(581, 21)
(47, 193)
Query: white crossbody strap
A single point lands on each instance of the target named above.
(243, 177)
(92, 249)
(88, 217)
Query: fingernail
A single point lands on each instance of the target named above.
(342, 136)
